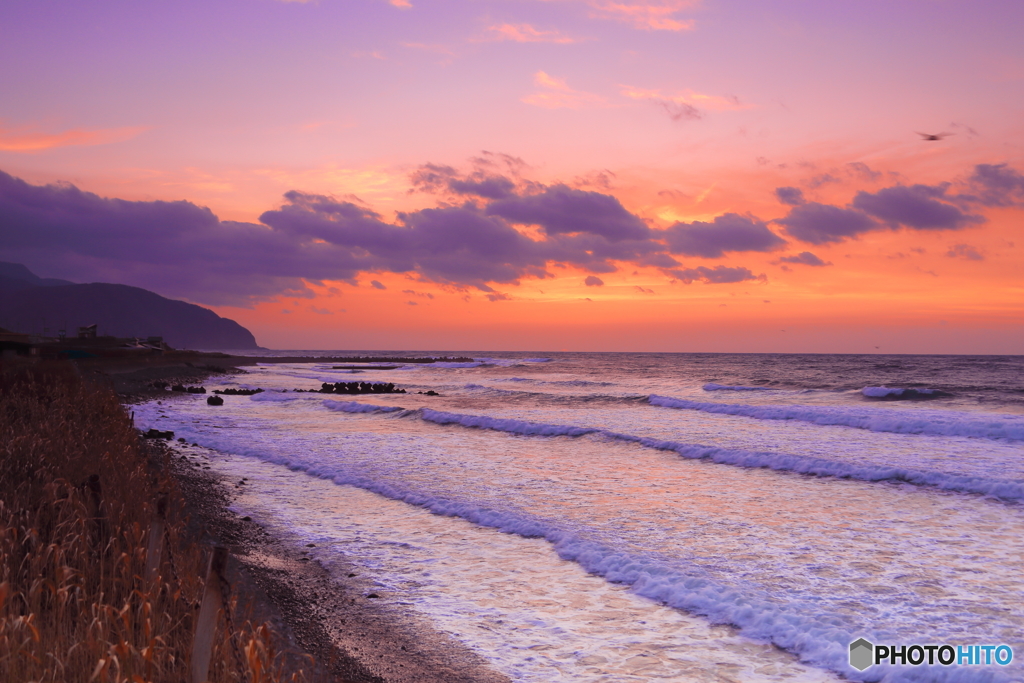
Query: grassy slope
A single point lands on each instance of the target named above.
(74, 605)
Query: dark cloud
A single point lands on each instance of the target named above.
(728, 232)
(916, 206)
(593, 281)
(823, 223)
(679, 111)
(806, 258)
(719, 275)
(559, 209)
(791, 196)
(175, 248)
(377, 285)
(480, 183)
(183, 250)
(862, 170)
(966, 252)
(601, 179)
(823, 179)
(995, 185)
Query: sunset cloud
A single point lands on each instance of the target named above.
(688, 105)
(648, 16)
(791, 196)
(805, 258)
(436, 178)
(27, 139)
(719, 275)
(184, 250)
(966, 252)
(525, 33)
(555, 93)
(816, 223)
(918, 206)
(915, 207)
(491, 227)
(728, 232)
(995, 185)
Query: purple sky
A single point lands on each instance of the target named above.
(561, 168)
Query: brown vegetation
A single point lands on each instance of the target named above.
(78, 496)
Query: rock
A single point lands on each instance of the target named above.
(215, 401)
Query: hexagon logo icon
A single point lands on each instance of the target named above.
(861, 654)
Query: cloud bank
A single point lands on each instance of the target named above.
(490, 227)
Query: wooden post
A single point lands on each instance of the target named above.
(206, 625)
(156, 538)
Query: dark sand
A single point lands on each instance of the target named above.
(352, 637)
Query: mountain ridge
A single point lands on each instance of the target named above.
(29, 303)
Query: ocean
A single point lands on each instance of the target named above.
(636, 517)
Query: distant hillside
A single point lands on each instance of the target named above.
(16, 276)
(118, 310)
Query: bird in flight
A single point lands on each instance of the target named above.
(934, 136)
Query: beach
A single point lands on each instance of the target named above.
(600, 517)
(352, 638)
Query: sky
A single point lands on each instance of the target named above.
(582, 175)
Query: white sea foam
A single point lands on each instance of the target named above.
(806, 562)
(817, 637)
(796, 624)
(901, 393)
(356, 407)
(503, 425)
(269, 396)
(1005, 489)
(1008, 490)
(932, 423)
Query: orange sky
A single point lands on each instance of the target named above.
(677, 111)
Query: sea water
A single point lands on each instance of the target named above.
(631, 517)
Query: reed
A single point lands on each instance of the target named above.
(78, 495)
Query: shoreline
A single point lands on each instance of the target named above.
(352, 637)
(131, 378)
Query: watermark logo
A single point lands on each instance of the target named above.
(864, 653)
(861, 654)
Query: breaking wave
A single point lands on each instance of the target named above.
(800, 464)
(902, 394)
(711, 386)
(356, 407)
(932, 423)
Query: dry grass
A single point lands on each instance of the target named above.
(77, 499)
